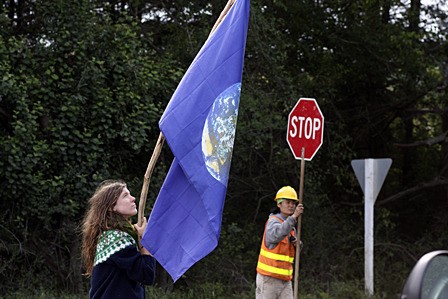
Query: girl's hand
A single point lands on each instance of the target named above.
(141, 229)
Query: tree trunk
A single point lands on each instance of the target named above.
(414, 15)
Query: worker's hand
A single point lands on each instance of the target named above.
(298, 211)
(141, 229)
(293, 240)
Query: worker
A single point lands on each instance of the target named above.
(276, 259)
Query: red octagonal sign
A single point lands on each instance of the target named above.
(305, 128)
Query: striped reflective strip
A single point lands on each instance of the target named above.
(274, 269)
(277, 257)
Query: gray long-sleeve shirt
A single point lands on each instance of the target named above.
(277, 231)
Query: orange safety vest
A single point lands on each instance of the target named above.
(277, 262)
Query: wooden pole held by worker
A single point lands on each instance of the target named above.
(299, 221)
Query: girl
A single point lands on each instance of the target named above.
(110, 245)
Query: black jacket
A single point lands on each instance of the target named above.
(123, 275)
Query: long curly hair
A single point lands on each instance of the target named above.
(100, 217)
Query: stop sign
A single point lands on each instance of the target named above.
(305, 128)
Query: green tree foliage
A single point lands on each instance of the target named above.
(80, 99)
(84, 84)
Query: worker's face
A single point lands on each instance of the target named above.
(126, 204)
(287, 207)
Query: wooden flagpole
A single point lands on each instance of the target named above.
(222, 15)
(161, 140)
(147, 177)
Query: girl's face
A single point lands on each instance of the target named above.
(126, 204)
(287, 207)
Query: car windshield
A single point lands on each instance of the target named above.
(435, 280)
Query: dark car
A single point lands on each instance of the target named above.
(428, 278)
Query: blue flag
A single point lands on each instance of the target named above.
(199, 126)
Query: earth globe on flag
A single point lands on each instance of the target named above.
(218, 133)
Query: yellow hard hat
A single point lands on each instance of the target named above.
(286, 192)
